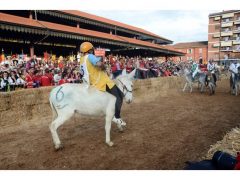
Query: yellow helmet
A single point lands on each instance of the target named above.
(85, 47)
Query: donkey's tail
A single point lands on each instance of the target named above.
(54, 111)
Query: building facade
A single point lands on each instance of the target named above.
(224, 36)
(195, 51)
(61, 33)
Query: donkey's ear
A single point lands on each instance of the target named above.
(132, 74)
(124, 72)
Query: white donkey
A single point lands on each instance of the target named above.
(68, 98)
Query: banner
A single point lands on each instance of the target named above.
(45, 56)
(99, 52)
(54, 57)
(2, 58)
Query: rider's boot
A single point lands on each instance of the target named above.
(119, 121)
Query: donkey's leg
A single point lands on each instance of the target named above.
(191, 87)
(108, 129)
(236, 89)
(108, 121)
(62, 117)
(185, 86)
(202, 88)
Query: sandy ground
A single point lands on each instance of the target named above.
(161, 133)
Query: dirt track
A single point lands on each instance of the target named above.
(161, 133)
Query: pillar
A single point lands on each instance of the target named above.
(31, 51)
(30, 15)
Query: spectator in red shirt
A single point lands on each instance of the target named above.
(37, 78)
(63, 80)
(129, 66)
(46, 79)
(49, 75)
(29, 78)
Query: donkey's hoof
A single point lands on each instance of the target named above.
(110, 143)
(120, 128)
(59, 147)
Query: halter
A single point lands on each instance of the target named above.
(124, 88)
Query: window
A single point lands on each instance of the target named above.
(238, 38)
(200, 51)
(227, 20)
(226, 30)
(226, 38)
(189, 51)
(238, 47)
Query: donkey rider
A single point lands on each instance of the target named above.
(194, 69)
(234, 70)
(211, 67)
(92, 69)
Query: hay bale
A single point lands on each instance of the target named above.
(41, 110)
(230, 144)
(25, 105)
(162, 86)
(4, 101)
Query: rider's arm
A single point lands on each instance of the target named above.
(96, 61)
(208, 68)
(232, 68)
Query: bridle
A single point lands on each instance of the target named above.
(124, 88)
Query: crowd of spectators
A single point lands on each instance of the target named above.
(146, 67)
(16, 73)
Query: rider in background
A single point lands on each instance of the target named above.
(194, 69)
(233, 68)
(93, 72)
(211, 67)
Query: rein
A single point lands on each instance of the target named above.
(124, 88)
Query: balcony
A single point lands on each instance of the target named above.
(229, 33)
(226, 49)
(226, 43)
(227, 24)
(237, 21)
(216, 45)
(236, 30)
(228, 15)
(236, 42)
(236, 48)
(216, 35)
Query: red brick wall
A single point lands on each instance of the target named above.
(195, 55)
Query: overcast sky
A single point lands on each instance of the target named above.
(176, 25)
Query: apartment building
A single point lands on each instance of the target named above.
(224, 36)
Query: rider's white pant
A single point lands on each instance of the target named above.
(195, 72)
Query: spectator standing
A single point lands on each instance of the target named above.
(6, 81)
(57, 77)
(46, 79)
(29, 78)
(63, 80)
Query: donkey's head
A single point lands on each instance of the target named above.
(125, 84)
